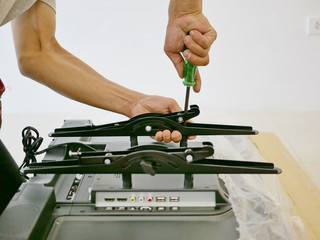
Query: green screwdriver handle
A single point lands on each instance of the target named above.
(189, 73)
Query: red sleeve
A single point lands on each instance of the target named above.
(2, 88)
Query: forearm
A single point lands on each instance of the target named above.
(178, 8)
(69, 76)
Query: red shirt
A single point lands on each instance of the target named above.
(2, 88)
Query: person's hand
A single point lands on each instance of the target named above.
(158, 104)
(194, 32)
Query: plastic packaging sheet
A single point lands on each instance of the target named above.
(258, 201)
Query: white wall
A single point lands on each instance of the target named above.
(262, 60)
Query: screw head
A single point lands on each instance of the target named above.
(189, 158)
(148, 128)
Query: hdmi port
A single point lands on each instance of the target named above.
(122, 199)
(109, 199)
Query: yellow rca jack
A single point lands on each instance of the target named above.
(132, 199)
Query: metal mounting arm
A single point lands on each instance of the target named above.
(161, 161)
(150, 123)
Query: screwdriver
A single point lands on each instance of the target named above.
(189, 73)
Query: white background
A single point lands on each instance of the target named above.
(262, 59)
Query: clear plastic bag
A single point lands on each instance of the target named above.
(258, 201)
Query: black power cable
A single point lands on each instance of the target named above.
(31, 142)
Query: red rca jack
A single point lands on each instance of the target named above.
(149, 199)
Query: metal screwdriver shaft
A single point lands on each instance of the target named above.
(186, 101)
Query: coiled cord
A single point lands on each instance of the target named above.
(31, 142)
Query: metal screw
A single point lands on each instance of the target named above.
(75, 154)
(148, 128)
(71, 154)
(189, 158)
(107, 161)
(180, 119)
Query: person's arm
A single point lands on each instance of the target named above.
(40, 57)
(188, 27)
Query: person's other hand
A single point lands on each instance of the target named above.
(158, 104)
(194, 32)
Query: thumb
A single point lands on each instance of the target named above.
(174, 106)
